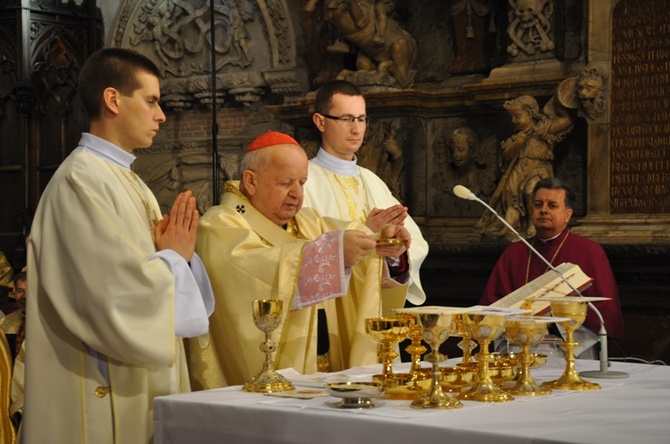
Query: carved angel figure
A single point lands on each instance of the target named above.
(529, 156)
(468, 160)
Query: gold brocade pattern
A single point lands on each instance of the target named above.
(356, 197)
(11, 324)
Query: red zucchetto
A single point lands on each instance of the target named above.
(271, 138)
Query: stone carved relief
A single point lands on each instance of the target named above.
(467, 160)
(586, 92)
(382, 154)
(461, 156)
(472, 22)
(179, 30)
(172, 169)
(254, 49)
(527, 158)
(530, 28)
(386, 52)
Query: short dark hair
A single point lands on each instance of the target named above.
(328, 90)
(111, 67)
(554, 183)
(20, 276)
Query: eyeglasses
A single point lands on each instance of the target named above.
(348, 120)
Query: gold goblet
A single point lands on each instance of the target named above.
(437, 325)
(484, 327)
(267, 315)
(415, 349)
(526, 331)
(407, 385)
(574, 309)
(387, 331)
(466, 343)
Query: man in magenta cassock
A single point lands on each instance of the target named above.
(553, 201)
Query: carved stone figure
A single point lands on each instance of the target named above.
(592, 92)
(586, 92)
(530, 26)
(471, 19)
(382, 155)
(529, 156)
(382, 45)
(469, 162)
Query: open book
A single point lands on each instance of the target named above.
(549, 284)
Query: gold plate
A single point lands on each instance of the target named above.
(390, 241)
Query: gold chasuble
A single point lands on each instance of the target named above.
(249, 257)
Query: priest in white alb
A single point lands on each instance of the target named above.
(340, 188)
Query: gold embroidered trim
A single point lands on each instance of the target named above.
(136, 185)
(352, 193)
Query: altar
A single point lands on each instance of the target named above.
(635, 409)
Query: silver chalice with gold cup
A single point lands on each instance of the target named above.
(267, 314)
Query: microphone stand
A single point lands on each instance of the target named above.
(604, 372)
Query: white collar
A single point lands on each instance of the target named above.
(544, 241)
(335, 164)
(105, 150)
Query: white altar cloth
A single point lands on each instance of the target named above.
(632, 410)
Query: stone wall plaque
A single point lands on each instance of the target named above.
(640, 108)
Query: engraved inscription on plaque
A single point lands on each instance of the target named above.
(640, 108)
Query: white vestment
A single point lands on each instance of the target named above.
(101, 319)
(330, 194)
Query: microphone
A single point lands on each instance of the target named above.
(604, 372)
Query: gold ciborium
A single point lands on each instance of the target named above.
(484, 327)
(437, 325)
(526, 331)
(267, 315)
(574, 309)
(387, 331)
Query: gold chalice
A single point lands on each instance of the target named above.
(484, 327)
(466, 343)
(267, 315)
(574, 309)
(416, 349)
(526, 331)
(387, 331)
(437, 325)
